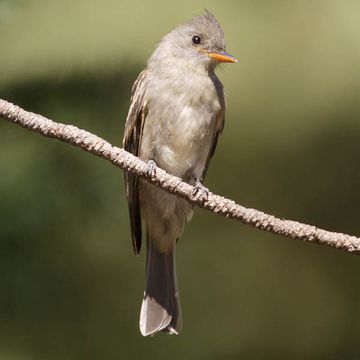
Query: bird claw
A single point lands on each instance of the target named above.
(200, 188)
(151, 168)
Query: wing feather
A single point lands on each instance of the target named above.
(219, 122)
(131, 142)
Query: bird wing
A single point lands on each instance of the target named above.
(219, 122)
(131, 142)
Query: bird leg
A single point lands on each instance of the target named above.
(200, 188)
(151, 168)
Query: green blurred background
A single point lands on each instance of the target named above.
(70, 287)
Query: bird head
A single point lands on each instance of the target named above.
(199, 43)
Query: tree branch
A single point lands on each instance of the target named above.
(215, 203)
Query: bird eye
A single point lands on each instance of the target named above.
(196, 40)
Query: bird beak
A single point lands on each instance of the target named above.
(222, 56)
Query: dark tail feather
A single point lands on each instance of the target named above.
(160, 310)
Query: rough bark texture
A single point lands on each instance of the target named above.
(215, 203)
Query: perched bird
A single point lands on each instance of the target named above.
(174, 121)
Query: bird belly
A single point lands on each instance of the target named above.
(180, 145)
(184, 143)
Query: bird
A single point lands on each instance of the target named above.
(175, 117)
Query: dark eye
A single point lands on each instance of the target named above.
(196, 40)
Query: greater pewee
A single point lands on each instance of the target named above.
(174, 121)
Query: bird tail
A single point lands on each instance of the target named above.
(160, 310)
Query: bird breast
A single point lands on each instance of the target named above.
(180, 126)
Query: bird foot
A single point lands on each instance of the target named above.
(201, 189)
(151, 168)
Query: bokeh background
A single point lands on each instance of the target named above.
(70, 287)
